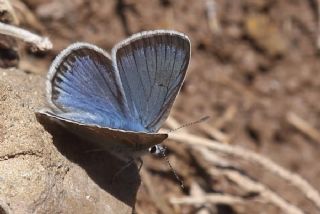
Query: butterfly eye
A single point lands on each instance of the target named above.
(153, 149)
(157, 150)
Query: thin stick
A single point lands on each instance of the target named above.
(213, 130)
(42, 43)
(28, 15)
(208, 198)
(6, 7)
(243, 181)
(214, 133)
(303, 126)
(197, 191)
(305, 188)
(226, 117)
(264, 192)
(212, 18)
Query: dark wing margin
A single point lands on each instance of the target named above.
(152, 66)
(83, 79)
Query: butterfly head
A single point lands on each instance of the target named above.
(157, 150)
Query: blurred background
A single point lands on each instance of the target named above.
(254, 70)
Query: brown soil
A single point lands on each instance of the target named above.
(261, 61)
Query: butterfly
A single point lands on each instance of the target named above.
(118, 101)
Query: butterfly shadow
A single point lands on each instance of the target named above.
(101, 166)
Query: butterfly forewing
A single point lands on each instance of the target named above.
(152, 67)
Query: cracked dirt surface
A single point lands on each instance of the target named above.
(38, 176)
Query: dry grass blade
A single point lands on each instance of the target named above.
(42, 43)
(6, 9)
(211, 11)
(303, 126)
(243, 181)
(253, 186)
(226, 117)
(26, 14)
(208, 198)
(197, 191)
(305, 188)
(213, 130)
(264, 192)
(215, 133)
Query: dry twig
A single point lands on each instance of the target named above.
(7, 10)
(42, 43)
(305, 188)
(27, 15)
(226, 117)
(303, 126)
(212, 18)
(197, 191)
(264, 192)
(243, 181)
(214, 133)
(208, 198)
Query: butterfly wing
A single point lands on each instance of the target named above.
(123, 143)
(152, 66)
(86, 97)
(83, 86)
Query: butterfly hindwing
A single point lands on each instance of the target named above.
(121, 142)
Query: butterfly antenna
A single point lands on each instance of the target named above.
(190, 124)
(163, 153)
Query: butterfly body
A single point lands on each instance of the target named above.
(119, 102)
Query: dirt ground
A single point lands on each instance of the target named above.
(254, 70)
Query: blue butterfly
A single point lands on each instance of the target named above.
(119, 102)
